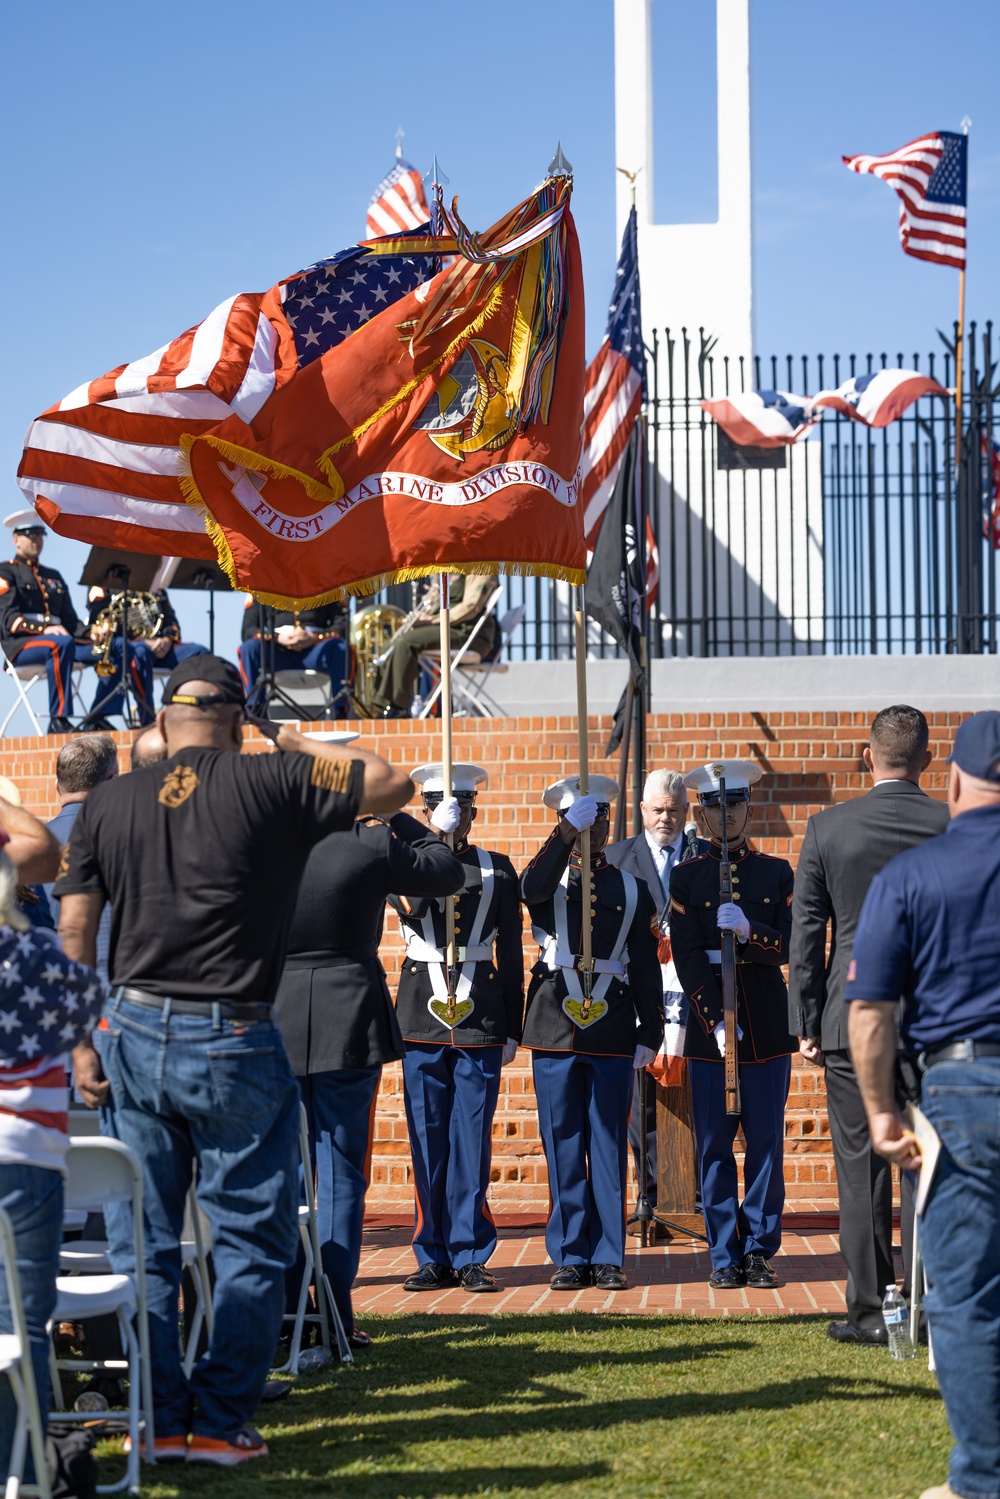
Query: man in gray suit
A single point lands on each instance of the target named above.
(650, 856)
(844, 848)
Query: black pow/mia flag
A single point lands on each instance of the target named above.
(616, 578)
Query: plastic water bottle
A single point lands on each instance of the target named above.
(312, 1360)
(896, 1316)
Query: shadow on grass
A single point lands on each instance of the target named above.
(486, 1480)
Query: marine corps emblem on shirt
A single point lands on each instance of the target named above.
(178, 786)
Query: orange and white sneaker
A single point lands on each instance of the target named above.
(165, 1449)
(225, 1452)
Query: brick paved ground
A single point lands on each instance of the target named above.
(664, 1279)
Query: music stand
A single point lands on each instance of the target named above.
(196, 575)
(118, 572)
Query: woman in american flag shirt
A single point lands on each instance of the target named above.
(47, 1005)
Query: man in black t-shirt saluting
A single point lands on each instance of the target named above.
(200, 858)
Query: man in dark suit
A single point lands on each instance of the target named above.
(337, 1018)
(844, 848)
(650, 856)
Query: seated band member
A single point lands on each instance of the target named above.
(336, 1016)
(584, 1052)
(742, 1236)
(467, 598)
(166, 645)
(40, 627)
(304, 640)
(455, 1044)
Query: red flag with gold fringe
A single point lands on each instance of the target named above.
(442, 432)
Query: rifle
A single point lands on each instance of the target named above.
(728, 945)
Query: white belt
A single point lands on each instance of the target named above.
(422, 952)
(555, 958)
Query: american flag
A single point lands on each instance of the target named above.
(108, 455)
(615, 387)
(929, 176)
(399, 202)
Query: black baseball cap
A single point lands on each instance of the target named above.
(219, 674)
(977, 746)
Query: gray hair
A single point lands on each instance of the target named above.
(85, 762)
(667, 783)
(664, 783)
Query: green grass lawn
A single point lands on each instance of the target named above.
(580, 1406)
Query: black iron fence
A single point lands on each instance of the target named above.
(854, 541)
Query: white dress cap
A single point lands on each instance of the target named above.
(562, 794)
(20, 520)
(430, 778)
(739, 775)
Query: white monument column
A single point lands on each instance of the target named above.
(693, 275)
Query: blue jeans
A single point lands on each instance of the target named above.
(220, 1092)
(960, 1240)
(341, 1109)
(33, 1198)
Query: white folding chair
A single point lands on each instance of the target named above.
(472, 677)
(327, 1308)
(466, 656)
(15, 1362)
(23, 679)
(102, 1171)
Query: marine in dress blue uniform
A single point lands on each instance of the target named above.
(455, 1043)
(320, 645)
(929, 934)
(40, 627)
(743, 1235)
(336, 1016)
(584, 1053)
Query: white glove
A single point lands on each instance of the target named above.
(644, 1057)
(583, 813)
(731, 919)
(509, 1052)
(446, 815)
(720, 1036)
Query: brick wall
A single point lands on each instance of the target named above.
(811, 760)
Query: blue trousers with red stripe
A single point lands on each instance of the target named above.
(451, 1096)
(59, 653)
(583, 1111)
(737, 1228)
(341, 1109)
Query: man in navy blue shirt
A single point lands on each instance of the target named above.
(929, 934)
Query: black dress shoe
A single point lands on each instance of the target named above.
(60, 726)
(96, 724)
(431, 1277)
(846, 1332)
(730, 1278)
(571, 1278)
(758, 1272)
(477, 1278)
(358, 1340)
(610, 1278)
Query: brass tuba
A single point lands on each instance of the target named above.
(142, 622)
(371, 631)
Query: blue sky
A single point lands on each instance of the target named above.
(158, 158)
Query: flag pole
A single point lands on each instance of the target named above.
(586, 877)
(449, 908)
(959, 346)
(960, 340)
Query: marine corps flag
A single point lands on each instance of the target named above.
(371, 419)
